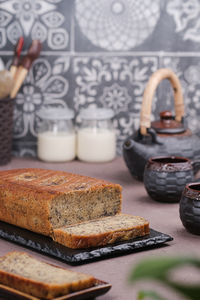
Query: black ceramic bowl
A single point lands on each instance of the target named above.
(166, 177)
(190, 208)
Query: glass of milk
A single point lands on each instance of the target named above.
(96, 137)
(56, 135)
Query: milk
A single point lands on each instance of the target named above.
(96, 144)
(56, 147)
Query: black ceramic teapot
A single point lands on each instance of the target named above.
(168, 136)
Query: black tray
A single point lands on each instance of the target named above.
(100, 288)
(46, 245)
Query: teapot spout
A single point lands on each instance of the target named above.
(129, 144)
(133, 157)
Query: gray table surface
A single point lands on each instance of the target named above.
(162, 217)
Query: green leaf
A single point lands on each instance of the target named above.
(191, 291)
(157, 268)
(150, 294)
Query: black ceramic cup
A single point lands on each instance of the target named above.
(165, 177)
(190, 208)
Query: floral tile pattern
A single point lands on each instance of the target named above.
(45, 85)
(101, 53)
(116, 83)
(186, 17)
(35, 19)
(188, 70)
(119, 24)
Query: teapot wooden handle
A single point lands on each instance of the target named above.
(154, 80)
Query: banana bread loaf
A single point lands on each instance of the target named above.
(27, 274)
(101, 232)
(42, 200)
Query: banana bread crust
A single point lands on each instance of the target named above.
(30, 198)
(38, 288)
(68, 238)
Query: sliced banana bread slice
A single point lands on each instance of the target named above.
(27, 274)
(102, 231)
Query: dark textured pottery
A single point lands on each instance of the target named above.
(190, 208)
(167, 136)
(137, 149)
(165, 177)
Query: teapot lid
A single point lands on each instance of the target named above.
(167, 124)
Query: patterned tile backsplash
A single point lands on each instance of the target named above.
(101, 52)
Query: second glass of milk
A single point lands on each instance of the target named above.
(96, 138)
(56, 135)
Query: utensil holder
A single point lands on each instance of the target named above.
(6, 129)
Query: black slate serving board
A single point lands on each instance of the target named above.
(46, 245)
